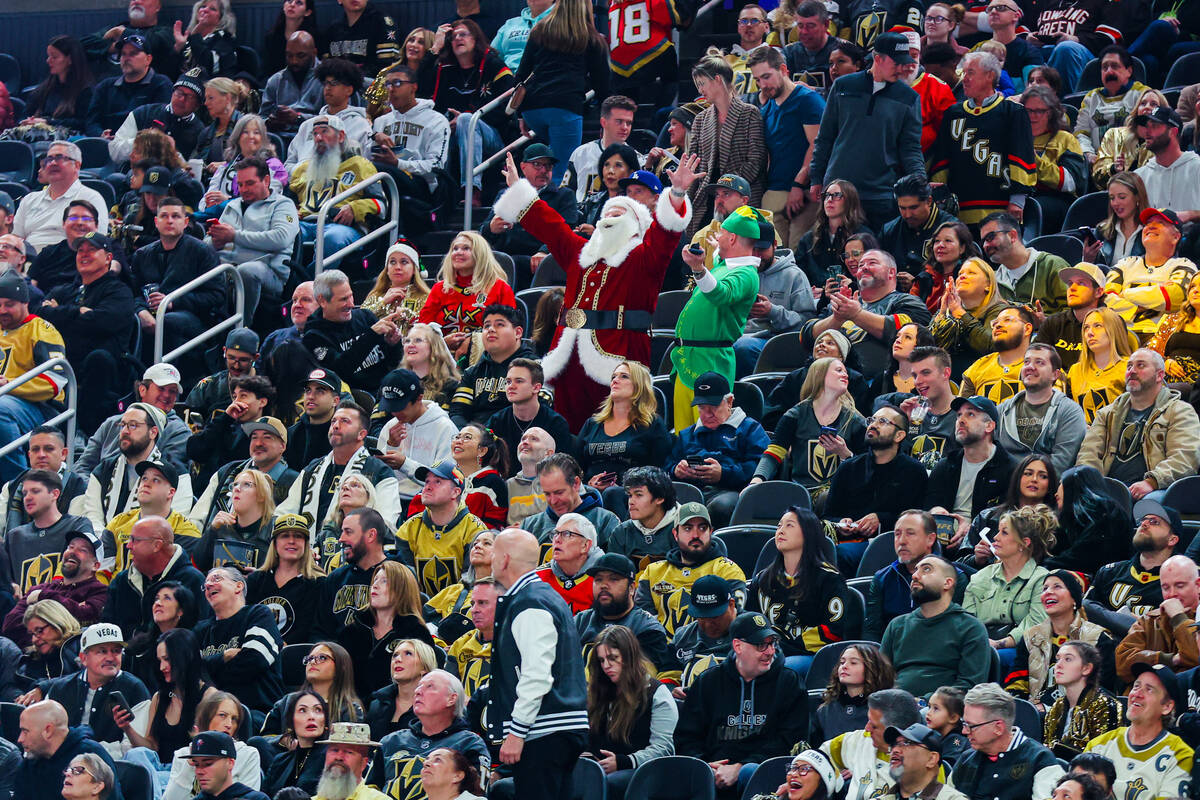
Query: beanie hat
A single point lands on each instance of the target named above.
(1073, 582)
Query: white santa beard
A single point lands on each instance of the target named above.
(612, 240)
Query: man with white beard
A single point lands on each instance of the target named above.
(613, 281)
(347, 754)
(333, 168)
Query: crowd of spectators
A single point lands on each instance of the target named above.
(878, 482)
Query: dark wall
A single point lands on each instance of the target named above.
(27, 25)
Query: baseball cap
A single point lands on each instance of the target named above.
(165, 468)
(536, 151)
(692, 511)
(1164, 214)
(444, 469)
(332, 120)
(894, 46)
(686, 114)
(1083, 270)
(101, 633)
(710, 389)
(164, 375)
(916, 733)
(191, 80)
(269, 424)
(96, 239)
(732, 182)
(325, 378)
(1169, 679)
(242, 339)
(1162, 114)
(291, 522)
(980, 403)
(710, 597)
(644, 178)
(135, 39)
(616, 563)
(7, 204)
(13, 287)
(1147, 506)
(83, 533)
(752, 627)
(157, 180)
(212, 744)
(400, 387)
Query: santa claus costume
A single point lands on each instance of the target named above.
(613, 281)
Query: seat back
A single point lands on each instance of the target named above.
(549, 273)
(588, 781)
(687, 493)
(782, 353)
(666, 313)
(1068, 248)
(880, 552)
(103, 188)
(767, 778)
(1120, 492)
(766, 502)
(291, 661)
(743, 544)
(1028, 719)
(10, 75)
(1184, 72)
(769, 551)
(135, 781)
(16, 161)
(1031, 221)
(826, 659)
(510, 267)
(1086, 211)
(10, 721)
(672, 778)
(749, 398)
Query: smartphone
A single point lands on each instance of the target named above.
(695, 461)
(833, 271)
(946, 526)
(695, 249)
(826, 430)
(117, 700)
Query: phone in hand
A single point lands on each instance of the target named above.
(695, 249)
(695, 461)
(117, 700)
(827, 430)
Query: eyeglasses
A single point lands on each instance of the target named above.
(81, 218)
(130, 426)
(998, 9)
(396, 83)
(333, 82)
(803, 770)
(938, 18)
(987, 239)
(560, 535)
(769, 644)
(316, 658)
(971, 727)
(834, 195)
(37, 632)
(881, 421)
(50, 159)
(901, 743)
(746, 23)
(853, 253)
(133, 539)
(461, 35)
(78, 770)
(1038, 112)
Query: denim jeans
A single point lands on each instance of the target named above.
(745, 354)
(336, 237)
(1155, 42)
(257, 276)
(17, 417)
(1069, 58)
(486, 138)
(562, 130)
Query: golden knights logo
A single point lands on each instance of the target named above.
(349, 599)
(406, 767)
(673, 612)
(1122, 598)
(868, 26)
(5, 355)
(1092, 401)
(476, 672)
(926, 448)
(1000, 390)
(696, 666)
(1135, 789)
(436, 573)
(814, 79)
(39, 569)
(821, 463)
(285, 615)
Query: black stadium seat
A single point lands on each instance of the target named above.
(767, 778)
(672, 778)
(765, 502)
(1065, 247)
(1087, 211)
(16, 162)
(1090, 77)
(135, 781)
(1184, 72)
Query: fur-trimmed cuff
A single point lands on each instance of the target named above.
(515, 201)
(664, 212)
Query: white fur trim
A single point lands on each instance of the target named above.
(589, 255)
(511, 205)
(668, 217)
(640, 212)
(598, 366)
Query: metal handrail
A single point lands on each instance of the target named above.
(71, 393)
(520, 141)
(389, 182)
(229, 322)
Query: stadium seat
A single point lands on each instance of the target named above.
(526, 317)
(549, 273)
(826, 659)
(672, 778)
(247, 59)
(1090, 77)
(1031, 221)
(767, 778)
(749, 398)
(135, 781)
(510, 267)
(1184, 496)
(532, 297)
(104, 188)
(765, 502)
(1120, 492)
(10, 720)
(588, 781)
(687, 493)
(1068, 248)
(768, 552)
(743, 543)
(16, 162)
(96, 161)
(666, 313)
(880, 552)
(10, 74)
(1028, 719)
(291, 660)
(662, 394)
(780, 355)
(1184, 72)
(1087, 211)
(14, 190)
(642, 140)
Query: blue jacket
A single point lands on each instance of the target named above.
(737, 444)
(510, 40)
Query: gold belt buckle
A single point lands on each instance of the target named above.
(575, 318)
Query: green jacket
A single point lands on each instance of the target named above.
(717, 311)
(1041, 282)
(1016, 603)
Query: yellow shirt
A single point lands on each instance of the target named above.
(989, 378)
(1093, 389)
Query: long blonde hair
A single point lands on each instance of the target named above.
(487, 269)
(569, 27)
(264, 488)
(1118, 338)
(1133, 182)
(228, 21)
(383, 282)
(442, 367)
(814, 382)
(642, 406)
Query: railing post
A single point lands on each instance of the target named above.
(239, 314)
(72, 397)
(393, 193)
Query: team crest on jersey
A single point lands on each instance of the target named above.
(1018, 770)
(5, 355)
(675, 610)
(285, 615)
(868, 26)
(38, 570)
(436, 573)
(1135, 788)
(821, 463)
(475, 673)
(407, 783)
(698, 666)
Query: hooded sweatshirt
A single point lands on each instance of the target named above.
(790, 293)
(481, 392)
(633, 539)
(1176, 186)
(743, 721)
(590, 506)
(426, 442)
(358, 135)
(510, 40)
(420, 137)
(950, 649)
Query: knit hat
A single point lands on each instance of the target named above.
(13, 287)
(156, 415)
(686, 114)
(748, 222)
(843, 342)
(830, 776)
(193, 81)
(1074, 583)
(408, 250)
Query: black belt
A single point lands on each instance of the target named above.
(704, 343)
(605, 320)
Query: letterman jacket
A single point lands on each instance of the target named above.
(107, 495)
(303, 497)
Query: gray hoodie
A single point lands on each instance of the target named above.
(421, 138)
(263, 232)
(427, 442)
(1062, 433)
(790, 293)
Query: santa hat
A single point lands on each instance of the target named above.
(639, 211)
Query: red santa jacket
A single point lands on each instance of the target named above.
(936, 97)
(455, 309)
(632, 284)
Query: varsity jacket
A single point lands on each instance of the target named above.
(649, 632)
(664, 587)
(575, 590)
(306, 497)
(906, 245)
(420, 139)
(72, 692)
(1169, 439)
(986, 153)
(107, 494)
(12, 498)
(254, 674)
(1154, 638)
(692, 652)
(437, 554)
(216, 495)
(726, 716)
(403, 753)
(358, 138)
(632, 538)
(1062, 433)
(537, 686)
(591, 506)
(426, 442)
(184, 130)
(372, 42)
(991, 482)
(481, 394)
(868, 138)
(262, 232)
(106, 443)
(30, 555)
(1026, 769)
(131, 594)
(351, 349)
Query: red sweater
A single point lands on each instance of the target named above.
(456, 310)
(578, 595)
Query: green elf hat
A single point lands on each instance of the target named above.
(749, 222)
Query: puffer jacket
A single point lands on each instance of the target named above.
(1169, 440)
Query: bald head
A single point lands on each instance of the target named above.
(151, 545)
(43, 728)
(155, 528)
(514, 553)
(1180, 580)
(300, 51)
(49, 712)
